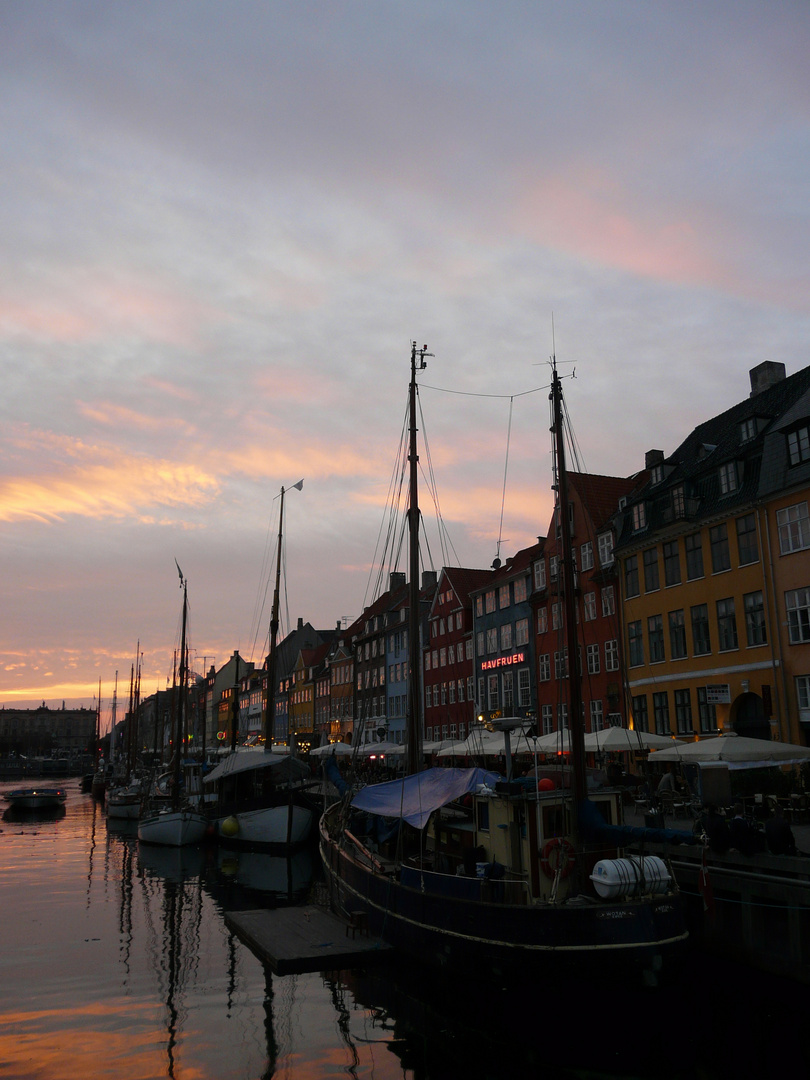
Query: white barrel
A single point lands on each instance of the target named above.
(613, 878)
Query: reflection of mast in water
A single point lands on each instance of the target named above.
(336, 992)
(175, 946)
(95, 808)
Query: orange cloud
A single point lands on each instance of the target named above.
(99, 482)
(589, 217)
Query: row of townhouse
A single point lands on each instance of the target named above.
(692, 594)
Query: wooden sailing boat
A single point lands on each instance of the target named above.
(179, 823)
(509, 876)
(262, 801)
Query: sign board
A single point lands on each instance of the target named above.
(718, 694)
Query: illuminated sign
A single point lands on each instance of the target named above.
(719, 694)
(503, 661)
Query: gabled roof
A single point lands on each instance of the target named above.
(463, 581)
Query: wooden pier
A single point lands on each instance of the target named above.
(293, 940)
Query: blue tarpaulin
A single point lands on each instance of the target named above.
(414, 798)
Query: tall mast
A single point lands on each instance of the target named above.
(181, 711)
(575, 715)
(414, 727)
(113, 710)
(270, 693)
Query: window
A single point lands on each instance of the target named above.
(635, 644)
(444, 693)
(748, 429)
(612, 655)
(631, 576)
(593, 659)
(508, 691)
(479, 606)
(540, 574)
(639, 517)
(683, 712)
(544, 667)
(524, 688)
(661, 713)
(441, 626)
(597, 716)
(641, 719)
(608, 601)
(443, 656)
(656, 474)
(701, 641)
(521, 590)
(490, 601)
(678, 503)
(471, 688)
(492, 639)
(479, 643)
(794, 528)
(655, 638)
(728, 478)
(468, 648)
(554, 567)
(492, 693)
(503, 596)
(799, 445)
(718, 541)
(693, 545)
(506, 637)
(556, 616)
(797, 602)
(460, 689)
(677, 635)
(542, 620)
(803, 697)
(672, 564)
(547, 716)
(726, 624)
(650, 570)
(755, 633)
(586, 556)
(590, 606)
(747, 547)
(561, 664)
(707, 713)
(522, 632)
(605, 542)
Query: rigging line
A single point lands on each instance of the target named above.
(469, 393)
(389, 514)
(505, 468)
(433, 488)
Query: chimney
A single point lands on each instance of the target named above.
(396, 580)
(766, 375)
(429, 579)
(300, 623)
(653, 457)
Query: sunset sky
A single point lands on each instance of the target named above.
(223, 223)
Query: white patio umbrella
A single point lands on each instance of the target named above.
(477, 742)
(341, 749)
(736, 751)
(554, 743)
(367, 749)
(623, 740)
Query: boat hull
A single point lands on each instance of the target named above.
(466, 924)
(173, 828)
(36, 798)
(284, 825)
(124, 806)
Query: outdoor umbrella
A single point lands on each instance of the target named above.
(623, 740)
(736, 751)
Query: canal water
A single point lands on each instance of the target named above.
(116, 962)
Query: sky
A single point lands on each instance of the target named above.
(224, 223)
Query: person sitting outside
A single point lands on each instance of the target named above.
(744, 836)
(717, 831)
(667, 785)
(779, 834)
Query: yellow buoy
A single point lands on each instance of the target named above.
(230, 826)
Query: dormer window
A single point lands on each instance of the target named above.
(729, 479)
(706, 449)
(748, 429)
(639, 517)
(678, 502)
(798, 442)
(656, 474)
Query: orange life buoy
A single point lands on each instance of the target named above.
(557, 858)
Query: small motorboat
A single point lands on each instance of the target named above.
(36, 798)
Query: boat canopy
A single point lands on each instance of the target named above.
(414, 798)
(284, 767)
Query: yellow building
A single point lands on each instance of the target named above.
(715, 578)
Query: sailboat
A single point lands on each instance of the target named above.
(179, 823)
(125, 796)
(487, 874)
(261, 796)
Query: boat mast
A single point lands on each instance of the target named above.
(181, 711)
(270, 693)
(575, 714)
(113, 709)
(414, 727)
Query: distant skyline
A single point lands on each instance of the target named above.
(224, 222)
